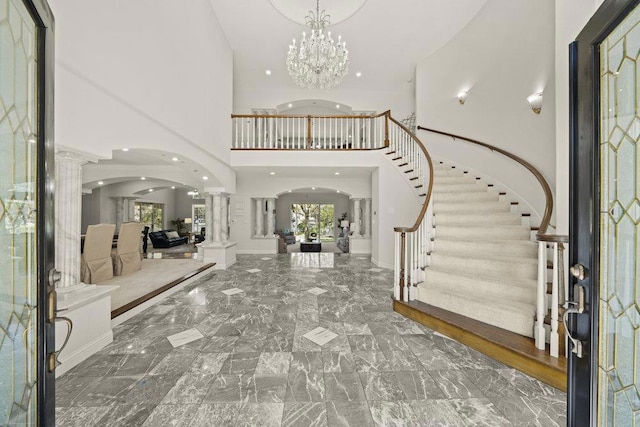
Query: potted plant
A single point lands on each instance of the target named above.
(178, 223)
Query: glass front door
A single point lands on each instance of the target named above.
(604, 253)
(26, 214)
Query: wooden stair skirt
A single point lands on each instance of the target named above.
(512, 349)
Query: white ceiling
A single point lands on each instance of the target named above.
(386, 39)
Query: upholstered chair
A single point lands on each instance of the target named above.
(96, 265)
(127, 257)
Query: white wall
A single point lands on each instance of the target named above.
(503, 55)
(394, 204)
(571, 17)
(144, 74)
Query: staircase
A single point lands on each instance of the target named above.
(483, 264)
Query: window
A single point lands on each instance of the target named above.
(313, 221)
(150, 214)
(198, 215)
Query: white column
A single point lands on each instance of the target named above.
(208, 218)
(259, 219)
(217, 217)
(367, 218)
(224, 220)
(356, 217)
(119, 212)
(68, 211)
(131, 209)
(271, 205)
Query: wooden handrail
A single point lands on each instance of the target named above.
(548, 209)
(423, 211)
(266, 116)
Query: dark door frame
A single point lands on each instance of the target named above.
(43, 17)
(584, 202)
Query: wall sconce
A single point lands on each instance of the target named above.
(462, 96)
(535, 100)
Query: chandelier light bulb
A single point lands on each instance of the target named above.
(318, 62)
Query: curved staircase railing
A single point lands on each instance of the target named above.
(557, 294)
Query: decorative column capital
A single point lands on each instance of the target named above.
(68, 155)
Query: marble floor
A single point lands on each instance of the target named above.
(205, 358)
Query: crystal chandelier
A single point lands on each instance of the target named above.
(318, 62)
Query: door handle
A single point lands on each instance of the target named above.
(53, 318)
(579, 271)
(578, 308)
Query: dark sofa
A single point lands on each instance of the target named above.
(159, 239)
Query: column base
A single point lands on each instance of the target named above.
(89, 308)
(222, 253)
(359, 245)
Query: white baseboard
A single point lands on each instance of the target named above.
(84, 353)
(382, 264)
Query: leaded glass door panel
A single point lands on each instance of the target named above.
(26, 213)
(604, 250)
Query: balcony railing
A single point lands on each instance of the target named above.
(265, 132)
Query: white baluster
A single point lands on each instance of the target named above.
(554, 338)
(542, 270)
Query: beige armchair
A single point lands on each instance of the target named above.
(96, 265)
(127, 258)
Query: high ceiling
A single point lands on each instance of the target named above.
(386, 39)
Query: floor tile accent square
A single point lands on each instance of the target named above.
(317, 291)
(185, 337)
(232, 291)
(266, 258)
(375, 270)
(254, 270)
(320, 336)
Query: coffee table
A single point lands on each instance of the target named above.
(310, 247)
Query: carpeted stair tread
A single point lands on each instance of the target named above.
(493, 232)
(522, 268)
(520, 290)
(459, 188)
(516, 317)
(465, 218)
(469, 206)
(474, 196)
(457, 179)
(486, 248)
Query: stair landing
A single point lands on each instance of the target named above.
(507, 347)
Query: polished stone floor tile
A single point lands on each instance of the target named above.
(253, 365)
(306, 414)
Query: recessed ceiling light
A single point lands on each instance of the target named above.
(205, 177)
(313, 188)
(290, 105)
(272, 173)
(125, 149)
(175, 159)
(336, 173)
(267, 72)
(337, 105)
(289, 191)
(173, 187)
(337, 191)
(150, 190)
(358, 74)
(100, 183)
(142, 178)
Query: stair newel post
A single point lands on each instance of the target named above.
(403, 270)
(396, 267)
(539, 332)
(554, 337)
(386, 128)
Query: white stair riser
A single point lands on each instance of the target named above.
(470, 207)
(462, 179)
